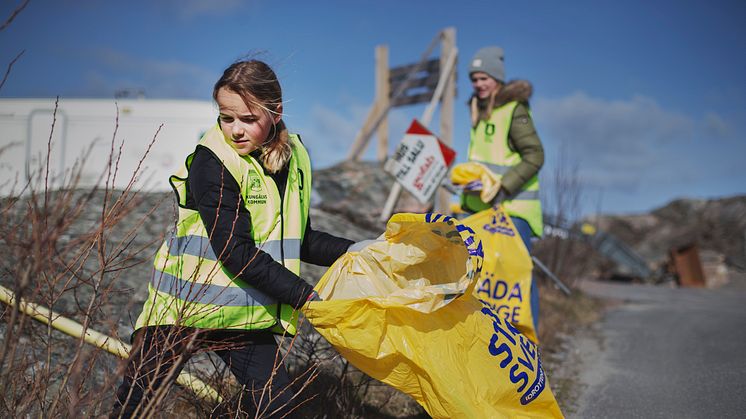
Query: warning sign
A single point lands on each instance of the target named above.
(420, 162)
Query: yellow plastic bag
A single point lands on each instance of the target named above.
(505, 281)
(465, 173)
(403, 311)
(405, 269)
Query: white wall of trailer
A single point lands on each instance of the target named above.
(88, 125)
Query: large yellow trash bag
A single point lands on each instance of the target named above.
(402, 310)
(505, 281)
(420, 262)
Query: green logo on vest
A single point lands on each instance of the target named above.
(489, 130)
(256, 195)
(255, 184)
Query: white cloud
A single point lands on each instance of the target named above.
(192, 9)
(329, 134)
(616, 142)
(337, 130)
(157, 78)
(717, 126)
(632, 150)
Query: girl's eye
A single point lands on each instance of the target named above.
(226, 119)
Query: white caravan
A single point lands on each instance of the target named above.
(87, 126)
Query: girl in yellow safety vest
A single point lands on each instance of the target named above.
(504, 139)
(227, 279)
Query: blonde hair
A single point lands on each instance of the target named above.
(276, 154)
(259, 87)
(481, 113)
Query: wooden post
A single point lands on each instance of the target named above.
(378, 112)
(382, 99)
(361, 140)
(447, 45)
(425, 120)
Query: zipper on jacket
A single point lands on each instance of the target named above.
(301, 179)
(282, 235)
(282, 253)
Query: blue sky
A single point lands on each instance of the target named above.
(645, 101)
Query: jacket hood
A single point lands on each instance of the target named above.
(514, 90)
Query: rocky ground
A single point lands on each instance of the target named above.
(346, 203)
(347, 200)
(716, 227)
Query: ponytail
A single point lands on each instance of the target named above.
(276, 153)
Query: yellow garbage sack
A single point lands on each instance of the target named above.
(476, 174)
(419, 264)
(402, 310)
(505, 282)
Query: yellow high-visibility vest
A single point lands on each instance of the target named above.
(489, 146)
(190, 287)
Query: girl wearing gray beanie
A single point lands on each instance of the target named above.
(503, 138)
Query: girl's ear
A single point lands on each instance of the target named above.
(277, 116)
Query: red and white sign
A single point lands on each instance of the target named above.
(420, 162)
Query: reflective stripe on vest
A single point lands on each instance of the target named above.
(206, 293)
(190, 286)
(489, 146)
(200, 246)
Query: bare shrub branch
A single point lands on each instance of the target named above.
(14, 14)
(10, 68)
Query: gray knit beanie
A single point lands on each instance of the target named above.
(489, 60)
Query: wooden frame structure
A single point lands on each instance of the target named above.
(404, 86)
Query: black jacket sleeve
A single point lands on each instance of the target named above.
(321, 248)
(216, 195)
